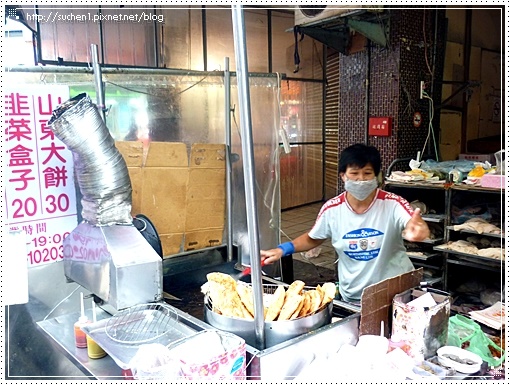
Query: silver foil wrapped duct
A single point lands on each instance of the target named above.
(100, 169)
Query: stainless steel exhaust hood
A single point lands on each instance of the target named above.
(105, 253)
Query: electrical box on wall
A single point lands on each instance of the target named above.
(379, 126)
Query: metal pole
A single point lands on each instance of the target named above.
(228, 149)
(126, 71)
(248, 168)
(98, 81)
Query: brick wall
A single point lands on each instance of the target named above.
(395, 75)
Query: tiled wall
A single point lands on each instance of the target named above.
(395, 75)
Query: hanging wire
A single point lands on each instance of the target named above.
(430, 127)
(150, 94)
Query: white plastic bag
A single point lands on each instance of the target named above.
(154, 362)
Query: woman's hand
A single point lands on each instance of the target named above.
(416, 229)
(271, 256)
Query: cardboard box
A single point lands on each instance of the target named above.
(377, 301)
(182, 194)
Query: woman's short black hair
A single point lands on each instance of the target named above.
(360, 155)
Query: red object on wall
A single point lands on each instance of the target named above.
(380, 126)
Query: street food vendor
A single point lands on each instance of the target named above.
(366, 225)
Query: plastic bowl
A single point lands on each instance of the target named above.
(445, 354)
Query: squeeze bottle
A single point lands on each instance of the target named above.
(93, 349)
(79, 335)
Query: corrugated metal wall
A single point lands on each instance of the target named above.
(331, 124)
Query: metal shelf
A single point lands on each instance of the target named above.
(477, 265)
(499, 236)
(433, 280)
(424, 257)
(421, 185)
(465, 187)
(432, 241)
(436, 218)
(473, 257)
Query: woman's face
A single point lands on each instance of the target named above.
(356, 173)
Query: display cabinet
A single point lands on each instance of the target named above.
(485, 262)
(449, 258)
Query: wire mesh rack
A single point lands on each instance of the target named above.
(141, 323)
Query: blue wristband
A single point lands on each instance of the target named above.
(287, 247)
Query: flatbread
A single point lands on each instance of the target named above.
(224, 296)
(316, 301)
(329, 289)
(246, 294)
(223, 279)
(320, 291)
(307, 302)
(289, 306)
(230, 305)
(295, 287)
(273, 310)
(298, 309)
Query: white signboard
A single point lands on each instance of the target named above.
(39, 183)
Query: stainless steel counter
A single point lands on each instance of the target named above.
(280, 362)
(40, 336)
(60, 330)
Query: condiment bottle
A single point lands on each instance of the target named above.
(79, 335)
(94, 351)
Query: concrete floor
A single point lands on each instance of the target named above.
(295, 222)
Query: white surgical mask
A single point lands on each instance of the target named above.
(360, 189)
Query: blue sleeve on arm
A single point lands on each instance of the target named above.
(287, 247)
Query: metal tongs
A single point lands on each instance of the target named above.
(247, 271)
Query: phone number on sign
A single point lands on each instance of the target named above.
(47, 249)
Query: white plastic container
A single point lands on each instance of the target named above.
(429, 369)
(372, 346)
(445, 354)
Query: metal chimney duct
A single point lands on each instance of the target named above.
(105, 253)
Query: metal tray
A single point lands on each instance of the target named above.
(275, 331)
(122, 353)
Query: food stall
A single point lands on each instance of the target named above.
(121, 274)
(111, 263)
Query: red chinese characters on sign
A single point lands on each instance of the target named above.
(40, 193)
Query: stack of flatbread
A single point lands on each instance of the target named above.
(234, 299)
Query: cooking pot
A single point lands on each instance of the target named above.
(275, 331)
